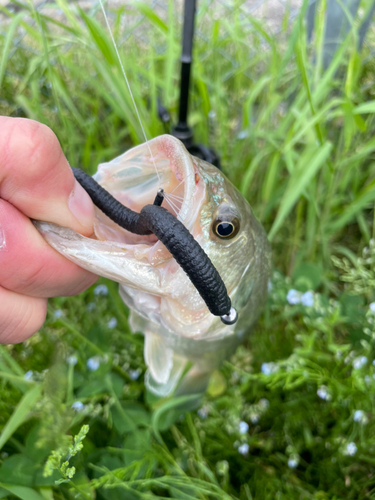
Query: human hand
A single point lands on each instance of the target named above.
(36, 182)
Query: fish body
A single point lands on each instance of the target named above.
(180, 332)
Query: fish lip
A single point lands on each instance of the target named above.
(181, 165)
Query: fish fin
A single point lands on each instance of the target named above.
(137, 323)
(168, 387)
(158, 357)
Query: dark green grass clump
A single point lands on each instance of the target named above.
(291, 415)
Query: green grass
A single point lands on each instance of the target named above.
(298, 141)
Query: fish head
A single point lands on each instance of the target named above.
(151, 281)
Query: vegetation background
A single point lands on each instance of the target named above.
(291, 415)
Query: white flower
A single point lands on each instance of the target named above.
(243, 449)
(372, 307)
(323, 393)
(307, 299)
(101, 290)
(359, 362)
(28, 375)
(93, 363)
(351, 449)
(269, 368)
(293, 462)
(112, 323)
(72, 360)
(360, 417)
(293, 297)
(78, 406)
(58, 313)
(243, 427)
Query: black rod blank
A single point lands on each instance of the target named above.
(154, 219)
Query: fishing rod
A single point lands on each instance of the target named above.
(182, 130)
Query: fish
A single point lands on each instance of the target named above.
(184, 342)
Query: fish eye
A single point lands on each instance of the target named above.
(226, 226)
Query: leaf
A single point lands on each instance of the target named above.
(312, 162)
(18, 469)
(151, 16)
(8, 41)
(364, 199)
(366, 107)
(167, 414)
(128, 417)
(21, 492)
(20, 414)
(99, 36)
(308, 276)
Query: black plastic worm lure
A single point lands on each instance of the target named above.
(154, 219)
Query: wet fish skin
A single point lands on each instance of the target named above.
(165, 306)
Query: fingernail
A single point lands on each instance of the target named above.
(2, 239)
(81, 206)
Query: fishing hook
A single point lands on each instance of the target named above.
(155, 219)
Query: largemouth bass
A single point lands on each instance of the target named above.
(179, 330)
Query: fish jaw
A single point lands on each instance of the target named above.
(141, 263)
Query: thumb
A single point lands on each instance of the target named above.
(35, 176)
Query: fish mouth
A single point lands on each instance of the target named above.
(135, 177)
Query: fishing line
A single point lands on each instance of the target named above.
(154, 219)
(183, 180)
(173, 206)
(128, 85)
(174, 197)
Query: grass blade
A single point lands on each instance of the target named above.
(20, 414)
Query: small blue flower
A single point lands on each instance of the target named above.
(203, 412)
(351, 449)
(359, 362)
(101, 290)
(360, 417)
(134, 374)
(372, 307)
(293, 462)
(58, 313)
(90, 306)
(293, 297)
(244, 449)
(242, 134)
(112, 323)
(307, 299)
(269, 368)
(93, 363)
(78, 406)
(28, 375)
(243, 427)
(323, 393)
